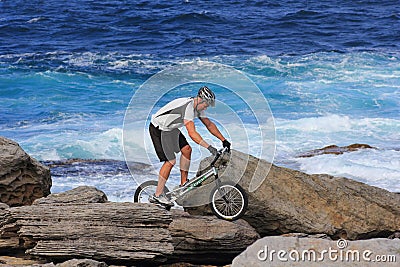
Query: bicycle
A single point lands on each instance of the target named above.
(228, 200)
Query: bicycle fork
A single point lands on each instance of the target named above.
(220, 191)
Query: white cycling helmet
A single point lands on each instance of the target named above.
(207, 95)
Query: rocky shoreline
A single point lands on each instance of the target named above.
(81, 223)
(81, 227)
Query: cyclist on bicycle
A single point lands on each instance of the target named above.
(167, 138)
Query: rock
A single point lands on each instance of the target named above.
(81, 194)
(22, 178)
(120, 233)
(205, 239)
(294, 251)
(325, 236)
(336, 150)
(395, 235)
(291, 201)
(17, 261)
(3, 206)
(21, 261)
(82, 263)
(76, 161)
(115, 232)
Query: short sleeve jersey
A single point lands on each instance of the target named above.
(172, 115)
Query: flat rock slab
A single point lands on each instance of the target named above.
(207, 239)
(61, 227)
(81, 194)
(116, 232)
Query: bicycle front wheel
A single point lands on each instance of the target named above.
(228, 201)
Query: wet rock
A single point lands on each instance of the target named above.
(336, 150)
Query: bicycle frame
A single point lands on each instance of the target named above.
(196, 181)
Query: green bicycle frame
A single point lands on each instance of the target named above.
(198, 180)
(177, 193)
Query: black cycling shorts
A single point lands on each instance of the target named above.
(167, 143)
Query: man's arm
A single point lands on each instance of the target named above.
(212, 128)
(196, 137)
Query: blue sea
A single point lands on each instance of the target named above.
(330, 71)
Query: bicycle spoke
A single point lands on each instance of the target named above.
(228, 202)
(146, 193)
(220, 205)
(235, 208)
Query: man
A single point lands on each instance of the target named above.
(168, 139)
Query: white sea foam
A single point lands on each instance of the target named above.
(106, 144)
(118, 187)
(375, 167)
(34, 20)
(309, 133)
(73, 144)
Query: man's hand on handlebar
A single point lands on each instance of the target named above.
(212, 150)
(226, 145)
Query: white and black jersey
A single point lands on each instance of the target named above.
(172, 115)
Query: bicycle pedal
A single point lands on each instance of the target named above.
(167, 207)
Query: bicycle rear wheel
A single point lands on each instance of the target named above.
(145, 190)
(228, 201)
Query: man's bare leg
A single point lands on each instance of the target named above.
(186, 153)
(163, 176)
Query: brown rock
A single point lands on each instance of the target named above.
(82, 263)
(116, 232)
(3, 206)
(18, 261)
(22, 178)
(81, 194)
(292, 201)
(121, 234)
(206, 239)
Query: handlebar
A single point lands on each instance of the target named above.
(219, 153)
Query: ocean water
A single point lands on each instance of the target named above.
(330, 71)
